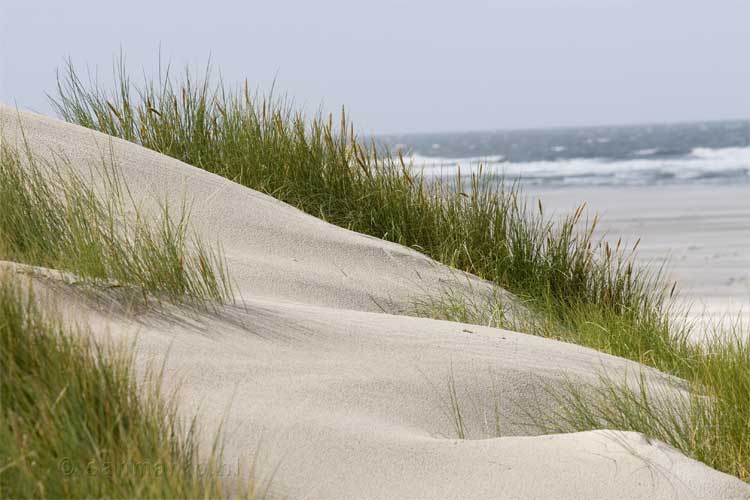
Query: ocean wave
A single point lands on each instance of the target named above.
(700, 165)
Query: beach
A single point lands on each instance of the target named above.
(403, 251)
(323, 388)
(700, 233)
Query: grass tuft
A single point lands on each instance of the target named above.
(74, 423)
(710, 421)
(52, 217)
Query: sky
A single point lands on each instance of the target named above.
(411, 66)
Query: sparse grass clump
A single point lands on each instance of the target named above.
(709, 420)
(50, 216)
(604, 330)
(74, 423)
(705, 414)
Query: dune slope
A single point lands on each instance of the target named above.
(316, 376)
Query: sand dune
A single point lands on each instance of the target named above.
(336, 398)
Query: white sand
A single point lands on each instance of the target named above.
(339, 400)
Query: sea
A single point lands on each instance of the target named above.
(706, 153)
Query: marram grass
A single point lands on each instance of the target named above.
(577, 288)
(50, 216)
(709, 421)
(476, 224)
(75, 424)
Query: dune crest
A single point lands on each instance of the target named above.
(341, 399)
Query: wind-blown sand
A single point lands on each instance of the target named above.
(338, 398)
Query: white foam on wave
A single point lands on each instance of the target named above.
(646, 152)
(739, 154)
(701, 165)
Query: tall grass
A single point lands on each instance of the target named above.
(474, 224)
(74, 423)
(51, 216)
(578, 288)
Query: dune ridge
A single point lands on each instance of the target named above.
(316, 367)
